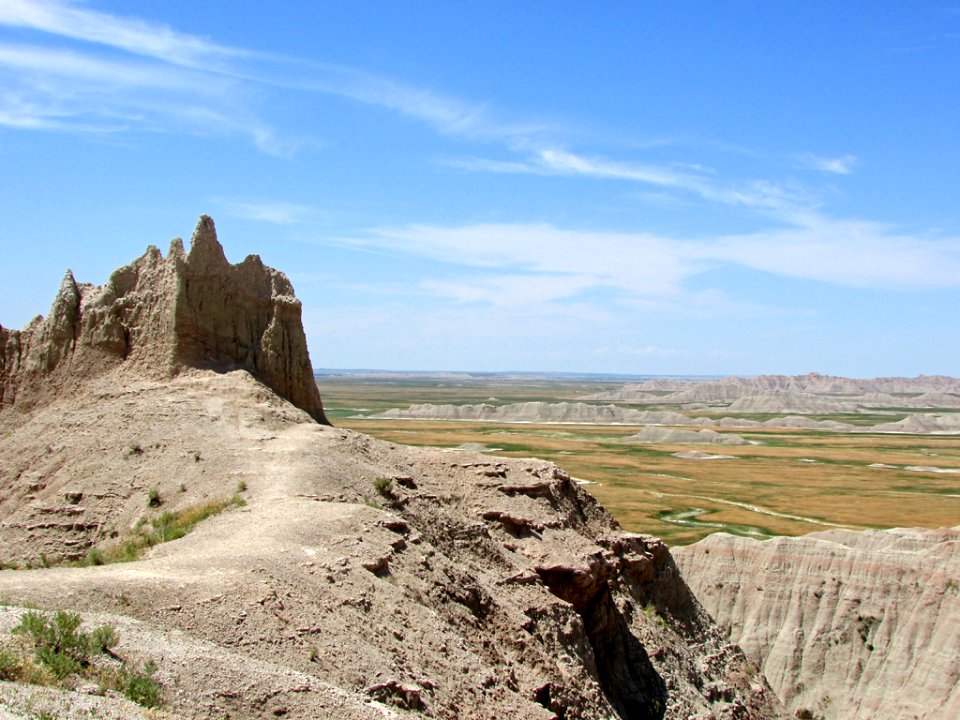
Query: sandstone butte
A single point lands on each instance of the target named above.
(361, 579)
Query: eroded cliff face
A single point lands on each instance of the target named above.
(160, 316)
(844, 624)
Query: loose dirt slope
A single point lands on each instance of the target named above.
(361, 579)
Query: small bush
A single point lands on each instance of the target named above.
(139, 685)
(153, 498)
(241, 486)
(94, 557)
(384, 486)
(58, 643)
(60, 649)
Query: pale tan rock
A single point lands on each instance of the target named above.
(845, 624)
(159, 317)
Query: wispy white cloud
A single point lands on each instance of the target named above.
(510, 289)
(842, 165)
(152, 61)
(520, 265)
(70, 20)
(850, 253)
(766, 196)
(278, 213)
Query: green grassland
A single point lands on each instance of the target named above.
(788, 482)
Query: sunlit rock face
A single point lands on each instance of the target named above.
(844, 624)
(161, 316)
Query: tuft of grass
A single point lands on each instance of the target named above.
(383, 485)
(241, 486)
(140, 686)
(168, 526)
(94, 557)
(153, 498)
(10, 665)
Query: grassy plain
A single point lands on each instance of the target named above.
(789, 482)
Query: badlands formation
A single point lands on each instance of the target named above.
(791, 399)
(360, 579)
(844, 624)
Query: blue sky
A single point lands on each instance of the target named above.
(658, 187)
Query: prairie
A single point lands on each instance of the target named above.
(786, 482)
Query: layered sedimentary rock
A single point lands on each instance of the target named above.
(537, 412)
(795, 393)
(791, 402)
(670, 436)
(921, 423)
(844, 624)
(160, 316)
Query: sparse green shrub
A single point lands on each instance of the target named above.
(383, 485)
(58, 643)
(241, 486)
(140, 686)
(9, 665)
(94, 557)
(183, 487)
(60, 649)
(153, 498)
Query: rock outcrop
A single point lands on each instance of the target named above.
(844, 624)
(671, 436)
(159, 317)
(536, 412)
(781, 401)
(920, 423)
(812, 393)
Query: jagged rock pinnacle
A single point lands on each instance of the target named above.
(160, 316)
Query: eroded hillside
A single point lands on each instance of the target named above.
(360, 578)
(844, 624)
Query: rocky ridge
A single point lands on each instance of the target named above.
(361, 579)
(731, 388)
(844, 624)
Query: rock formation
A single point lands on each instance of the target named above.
(670, 436)
(778, 401)
(161, 316)
(813, 393)
(360, 579)
(844, 624)
(920, 423)
(536, 412)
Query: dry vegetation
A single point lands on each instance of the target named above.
(790, 482)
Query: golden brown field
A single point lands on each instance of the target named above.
(789, 482)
